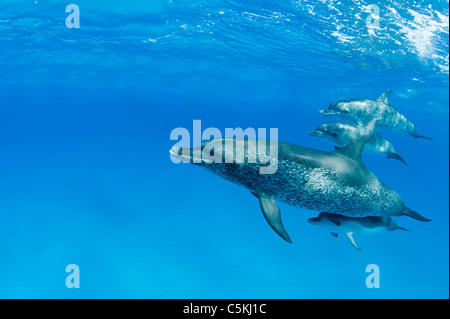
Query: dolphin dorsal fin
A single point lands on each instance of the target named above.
(385, 97)
(354, 149)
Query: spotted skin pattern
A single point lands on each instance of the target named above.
(315, 180)
(362, 111)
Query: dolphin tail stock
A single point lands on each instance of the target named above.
(413, 214)
(392, 225)
(397, 157)
(415, 134)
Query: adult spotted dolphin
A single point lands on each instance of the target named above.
(362, 111)
(340, 134)
(336, 182)
(354, 226)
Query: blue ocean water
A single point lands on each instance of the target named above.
(85, 120)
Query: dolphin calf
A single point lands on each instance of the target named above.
(336, 182)
(362, 111)
(340, 134)
(349, 226)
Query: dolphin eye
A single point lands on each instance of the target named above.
(338, 223)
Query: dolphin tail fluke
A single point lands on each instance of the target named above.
(401, 228)
(409, 212)
(416, 135)
(397, 157)
(272, 213)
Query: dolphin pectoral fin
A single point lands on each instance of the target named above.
(272, 214)
(385, 97)
(397, 157)
(350, 237)
(337, 147)
(334, 234)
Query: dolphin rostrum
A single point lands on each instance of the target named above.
(362, 111)
(336, 182)
(354, 225)
(340, 134)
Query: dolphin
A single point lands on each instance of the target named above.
(362, 111)
(340, 134)
(337, 182)
(350, 225)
